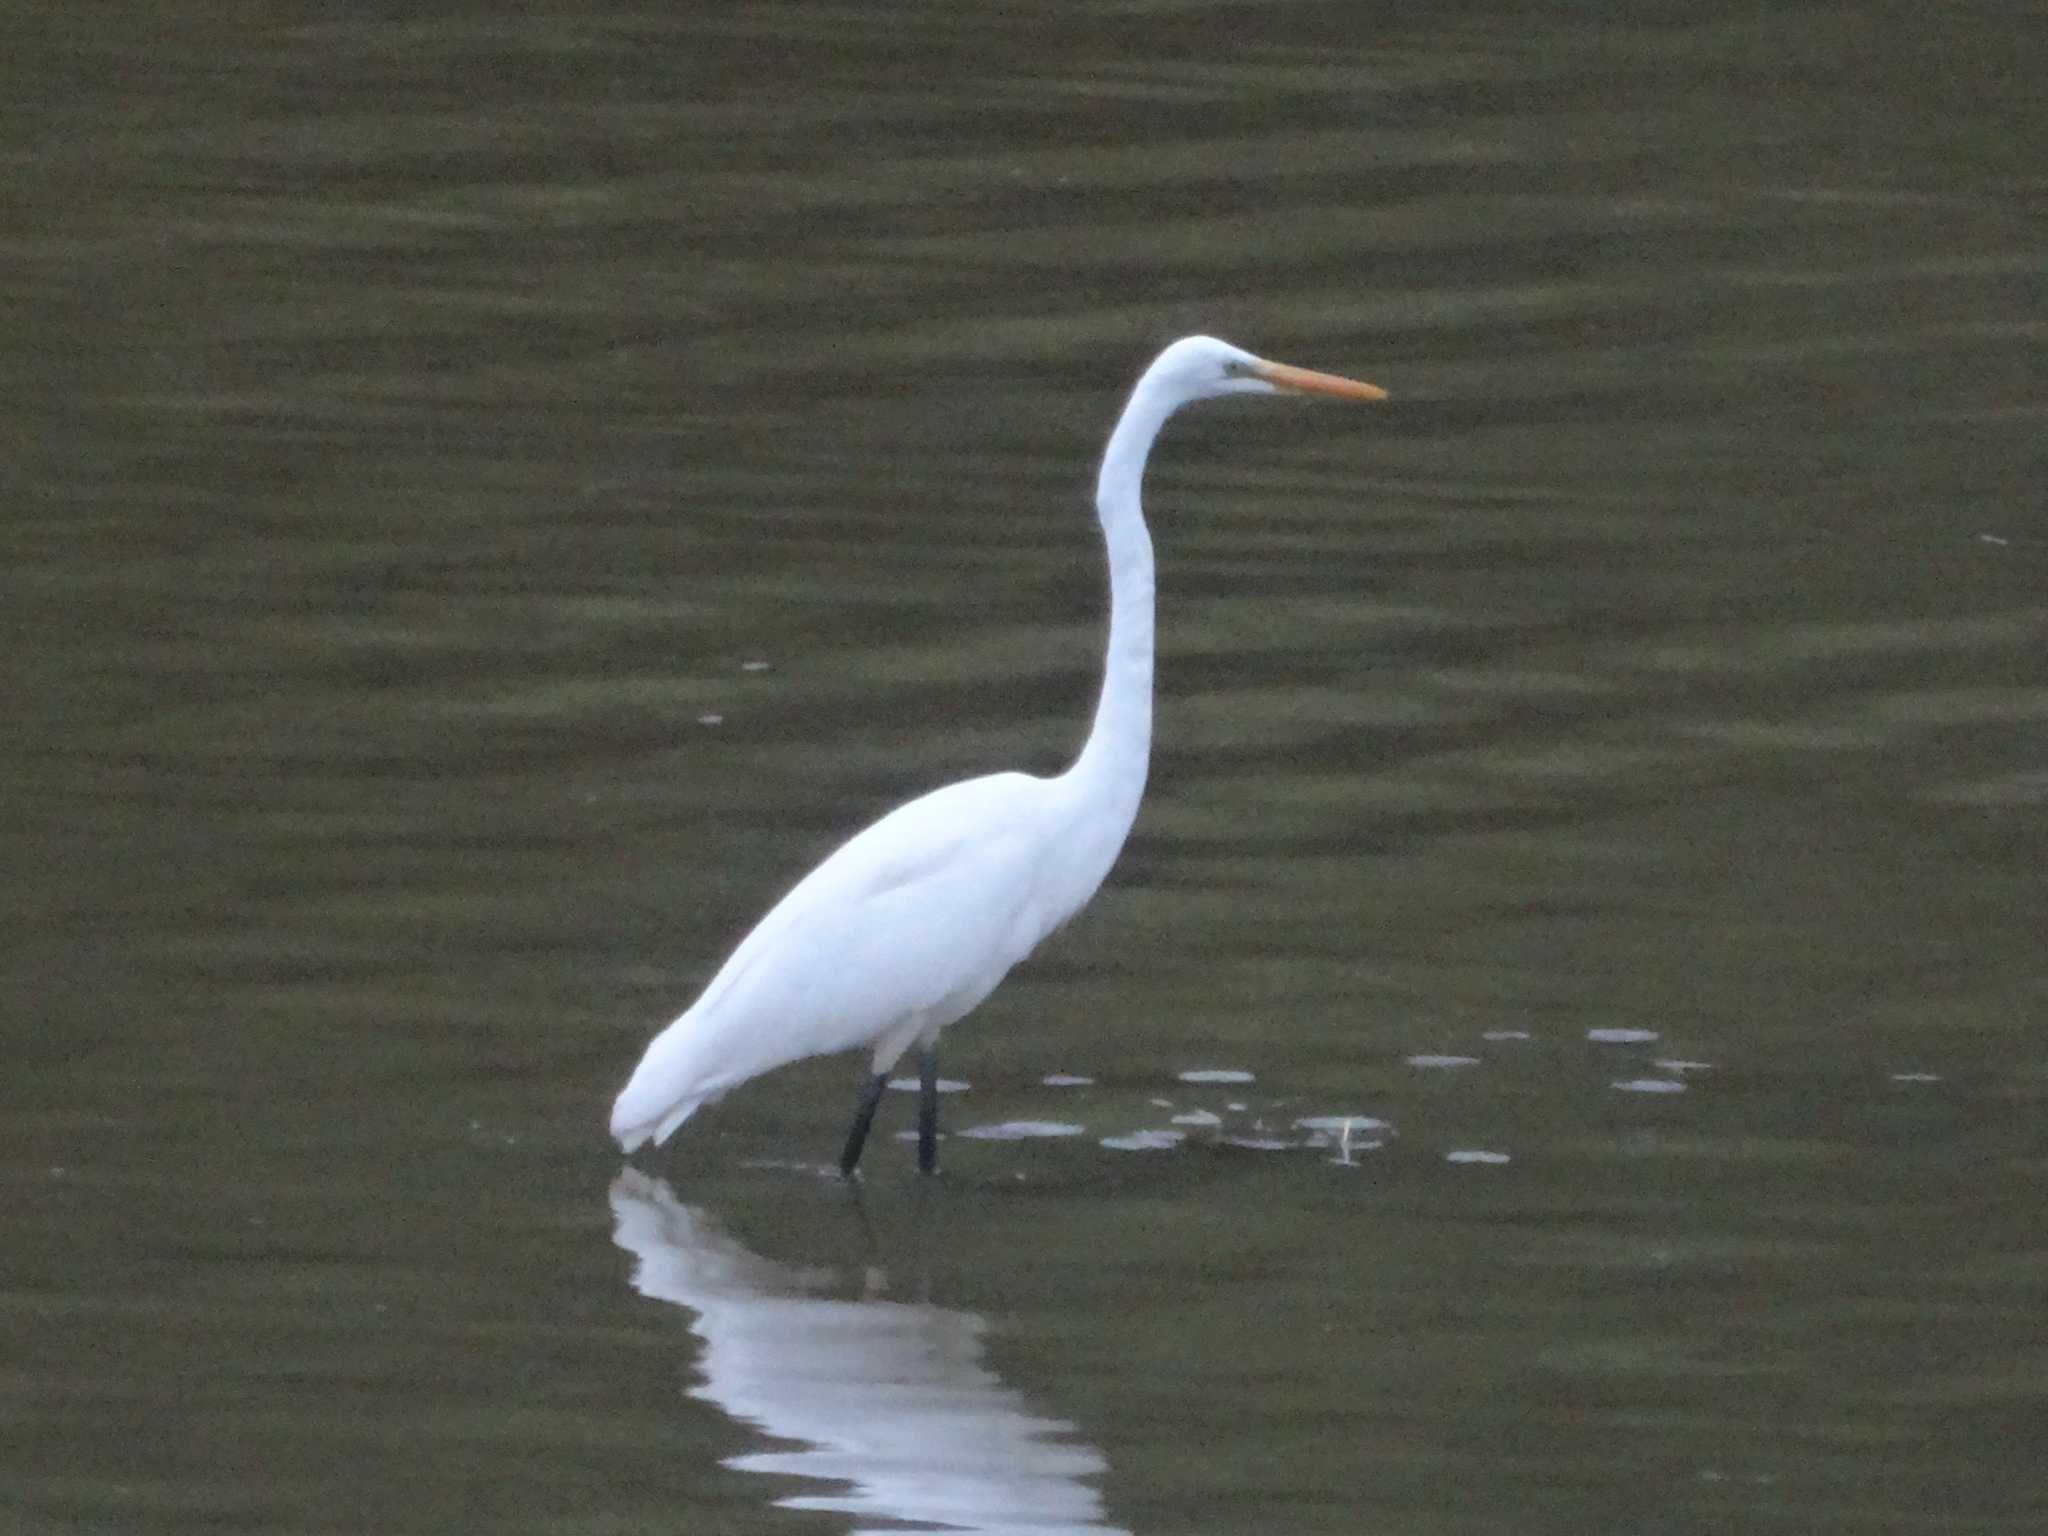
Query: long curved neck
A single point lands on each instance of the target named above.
(1113, 761)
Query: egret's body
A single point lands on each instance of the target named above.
(911, 923)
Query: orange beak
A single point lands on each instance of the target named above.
(1303, 381)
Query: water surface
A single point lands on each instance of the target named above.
(492, 498)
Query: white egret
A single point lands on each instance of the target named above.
(916, 919)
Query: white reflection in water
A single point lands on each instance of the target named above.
(1022, 1130)
(888, 1398)
(1345, 1135)
(1341, 1125)
(1144, 1141)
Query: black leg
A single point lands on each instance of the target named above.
(863, 1117)
(928, 1110)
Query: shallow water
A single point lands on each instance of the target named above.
(492, 498)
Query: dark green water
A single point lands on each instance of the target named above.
(489, 499)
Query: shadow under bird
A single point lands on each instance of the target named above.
(912, 922)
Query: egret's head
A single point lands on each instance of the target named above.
(1198, 366)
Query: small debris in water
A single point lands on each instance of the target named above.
(910, 1085)
(1916, 1077)
(1651, 1085)
(1201, 1117)
(1021, 1130)
(1443, 1061)
(1259, 1143)
(1337, 1124)
(1216, 1075)
(1144, 1141)
(1620, 1036)
(711, 719)
(1474, 1155)
(1065, 1080)
(1347, 1134)
(1671, 1064)
(1505, 1034)
(753, 666)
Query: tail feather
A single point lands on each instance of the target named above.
(634, 1126)
(702, 1056)
(667, 1087)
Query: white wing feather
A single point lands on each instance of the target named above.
(899, 932)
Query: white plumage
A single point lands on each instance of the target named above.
(911, 923)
